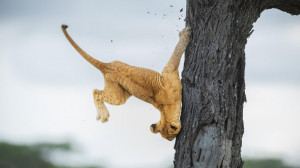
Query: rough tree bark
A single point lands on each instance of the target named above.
(213, 80)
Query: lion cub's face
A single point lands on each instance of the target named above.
(169, 125)
(168, 130)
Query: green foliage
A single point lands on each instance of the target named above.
(35, 156)
(15, 156)
(23, 156)
(265, 163)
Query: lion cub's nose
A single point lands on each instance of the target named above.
(153, 128)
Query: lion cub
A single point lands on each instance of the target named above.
(163, 90)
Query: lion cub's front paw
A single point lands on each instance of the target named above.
(102, 112)
(185, 33)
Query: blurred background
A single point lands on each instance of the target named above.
(47, 114)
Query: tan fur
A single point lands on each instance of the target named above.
(163, 91)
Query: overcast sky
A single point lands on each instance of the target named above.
(46, 87)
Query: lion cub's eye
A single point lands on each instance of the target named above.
(173, 127)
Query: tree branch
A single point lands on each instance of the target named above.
(290, 6)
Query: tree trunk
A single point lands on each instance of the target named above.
(213, 80)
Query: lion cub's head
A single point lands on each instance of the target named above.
(169, 125)
(167, 130)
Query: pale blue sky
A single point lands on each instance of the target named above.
(46, 87)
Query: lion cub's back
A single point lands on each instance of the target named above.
(143, 76)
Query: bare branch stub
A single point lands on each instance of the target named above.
(290, 6)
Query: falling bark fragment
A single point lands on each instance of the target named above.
(181, 9)
(171, 6)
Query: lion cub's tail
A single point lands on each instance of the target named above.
(98, 64)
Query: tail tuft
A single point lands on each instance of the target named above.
(63, 26)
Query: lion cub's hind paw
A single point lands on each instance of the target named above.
(102, 113)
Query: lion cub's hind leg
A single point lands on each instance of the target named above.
(113, 94)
